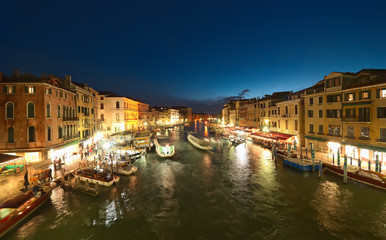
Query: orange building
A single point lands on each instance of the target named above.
(38, 117)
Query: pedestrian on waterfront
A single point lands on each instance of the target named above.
(50, 175)
(81, 155)
(26, 182)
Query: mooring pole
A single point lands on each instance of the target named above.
(345, 169)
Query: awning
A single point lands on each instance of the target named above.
(375, 148)
(281, 136)
(6, 157)
(316, 138)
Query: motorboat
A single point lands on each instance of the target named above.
(368, 177)
(164, 146)
(15, 210)
(123, 168)
(101, 177)
(196, 140)
(142, 139)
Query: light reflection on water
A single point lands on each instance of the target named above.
(234, 192)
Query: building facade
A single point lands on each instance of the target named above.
(39, 117)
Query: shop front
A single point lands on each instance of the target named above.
(65, 154)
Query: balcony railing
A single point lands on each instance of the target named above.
(382, 140)
(364, 138)
(285, 115)
(86, 114)
(70, 118)
(334, 135)
(65, 138)
(356, 119)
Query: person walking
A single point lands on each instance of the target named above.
(50, 175)
(26, 182)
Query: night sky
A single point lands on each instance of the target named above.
(194, 53)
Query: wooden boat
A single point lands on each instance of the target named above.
(363, 176)
(98, 176)
(164, 146)
(198, 142)
(20, 207)
(131, 155)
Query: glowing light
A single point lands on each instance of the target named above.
(334, 146)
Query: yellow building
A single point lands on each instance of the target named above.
(348, 114)
(290, 117)
(86, 108)
(131, 114)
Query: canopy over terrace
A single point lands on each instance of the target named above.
(274, 136)
(11, 164)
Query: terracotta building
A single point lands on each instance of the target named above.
(38, 117)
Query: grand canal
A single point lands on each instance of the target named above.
(233, 192)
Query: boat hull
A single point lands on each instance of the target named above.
(159, 148)
(299, 164)
(13, 222)
(356, 176)
(95, 181)
(193, 140)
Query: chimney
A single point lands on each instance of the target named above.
(1, 76)
(16, 72)
(67, 82)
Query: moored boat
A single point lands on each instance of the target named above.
(364, 176)
(102, 177)
(123, 168)
(18, 208)
(198, 142)
(164, 146)
(304, 164)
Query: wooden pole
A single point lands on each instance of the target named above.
(320, 169)
(345, 169)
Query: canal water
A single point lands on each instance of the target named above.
(233, 192)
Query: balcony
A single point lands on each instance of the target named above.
(70, 119)
(350, 137)
(86, 125)
(285, 115)
(364, 138)
(86, 114)
(382, 140)
(65, 138)
(320, 133)
(356, 119)
(333, 135)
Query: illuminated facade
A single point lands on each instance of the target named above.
(117, 113)
(348, 114)
(39, 117)
(87, 109)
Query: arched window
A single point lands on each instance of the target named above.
(117, 104)
(64, 112)
(48, 110)
(60, 134)
(49, 133)
(102, 106)
(296, 109)
(31, 134)
(117, 117)
(58, 111)
(11, 137)
(102, 117)
(30, 110)
(286, 109)
(9, 110)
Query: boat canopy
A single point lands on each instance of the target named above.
(163, 141)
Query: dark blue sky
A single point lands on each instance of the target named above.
(192, 53)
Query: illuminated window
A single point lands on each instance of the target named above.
(365, 95)
(365, 132)
(29, 89)
(9, 89)
(350, 97)
(383, 93)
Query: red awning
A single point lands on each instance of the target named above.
(281, 136)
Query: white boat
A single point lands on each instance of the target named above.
(123, 168)
(198, 142)
(164, 146)
(101, 177)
